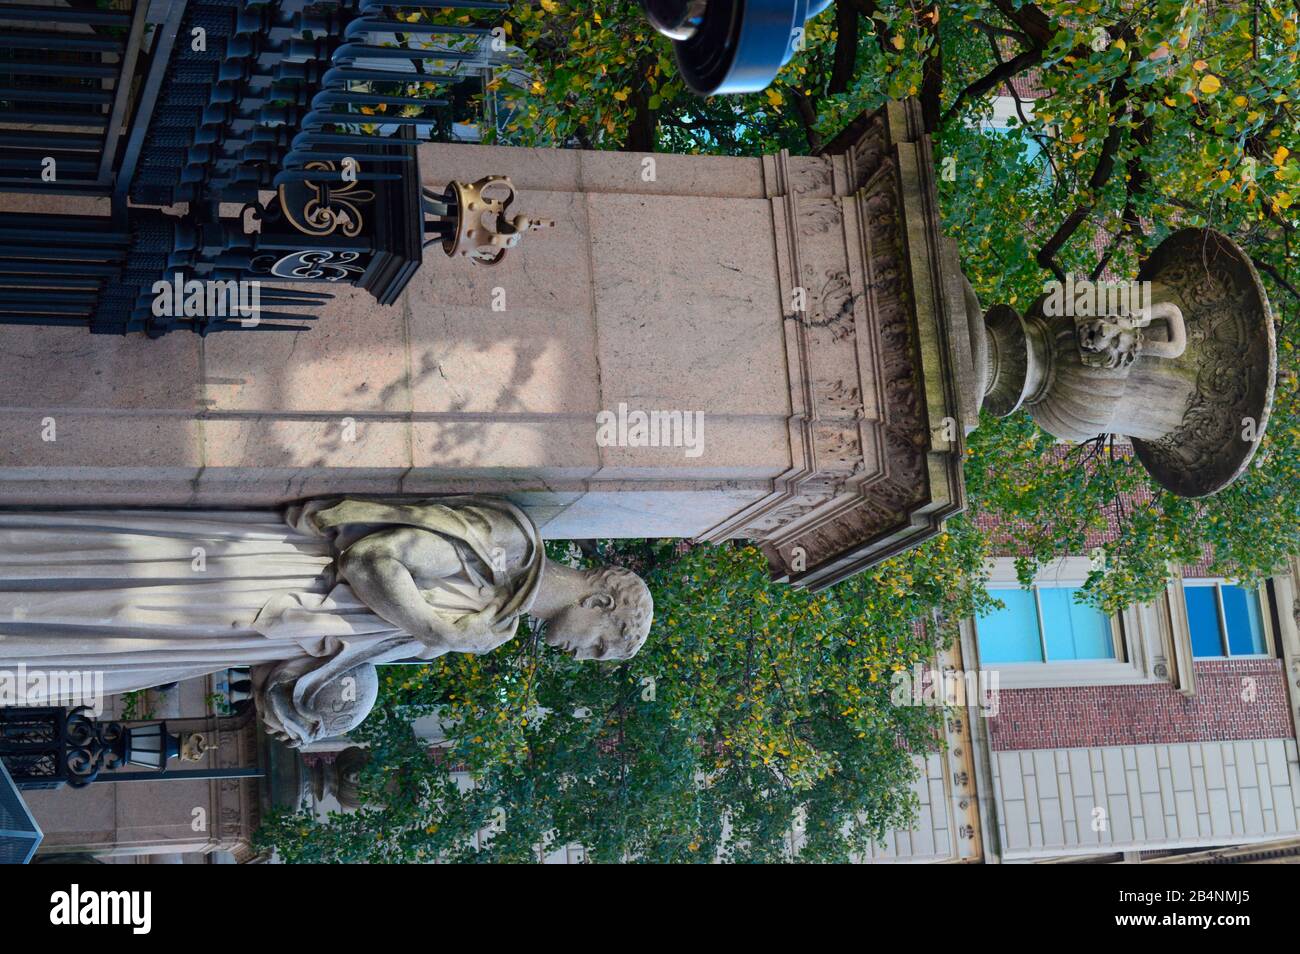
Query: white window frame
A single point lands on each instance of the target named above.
(1144, 644)
(1286, 593)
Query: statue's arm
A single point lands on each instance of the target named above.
(375, 569)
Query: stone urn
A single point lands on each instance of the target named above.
(1182, 361)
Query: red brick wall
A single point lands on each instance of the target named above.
(1142, 715)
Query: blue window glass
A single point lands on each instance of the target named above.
(1203, 620)
(1011, 634)
(1241, 614)
(1073, 630)
(1031, 145)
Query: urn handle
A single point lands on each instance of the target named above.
(1115, 341)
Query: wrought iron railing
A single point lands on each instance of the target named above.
(65, 85)
(321, 103)
(283, 86)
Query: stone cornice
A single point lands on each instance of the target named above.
(877, 355)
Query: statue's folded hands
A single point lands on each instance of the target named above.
(473, 633)
(302, 700)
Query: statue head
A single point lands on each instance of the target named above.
(609, 620)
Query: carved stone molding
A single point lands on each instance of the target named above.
(236, 809)
(877, 356)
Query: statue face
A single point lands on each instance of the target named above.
(589, 629)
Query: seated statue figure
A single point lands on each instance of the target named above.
(313, 600)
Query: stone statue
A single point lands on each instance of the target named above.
(312, 600)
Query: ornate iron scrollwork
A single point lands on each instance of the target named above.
(312, 264)
(326, 207)
(91, 747)
(47, 746)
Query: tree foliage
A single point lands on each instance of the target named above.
(753, 702)
(1155, 117)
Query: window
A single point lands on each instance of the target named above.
(1085, 647)
(1224, 620)
(1005, 124)
(1044, 624)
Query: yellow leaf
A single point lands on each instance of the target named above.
(1279, 157)
(898, 42)
(550, 6)
(621, 95)
(774, 97)
(1209, 84)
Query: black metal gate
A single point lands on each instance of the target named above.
(212, 102)
(66, 79)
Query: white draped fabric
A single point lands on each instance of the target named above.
(154, 596)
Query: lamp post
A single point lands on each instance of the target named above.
(47, 747)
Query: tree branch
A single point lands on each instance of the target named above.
(1032, 21)
(1020, 109)
(867, 8)
(995, 30)
(932, 71)
(846, 49)
(1101, 174)
(1272, 272)
(994, 78)
(641, 130)
(1137, 179)
(808, 114)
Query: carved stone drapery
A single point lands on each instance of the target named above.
(877, 354)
